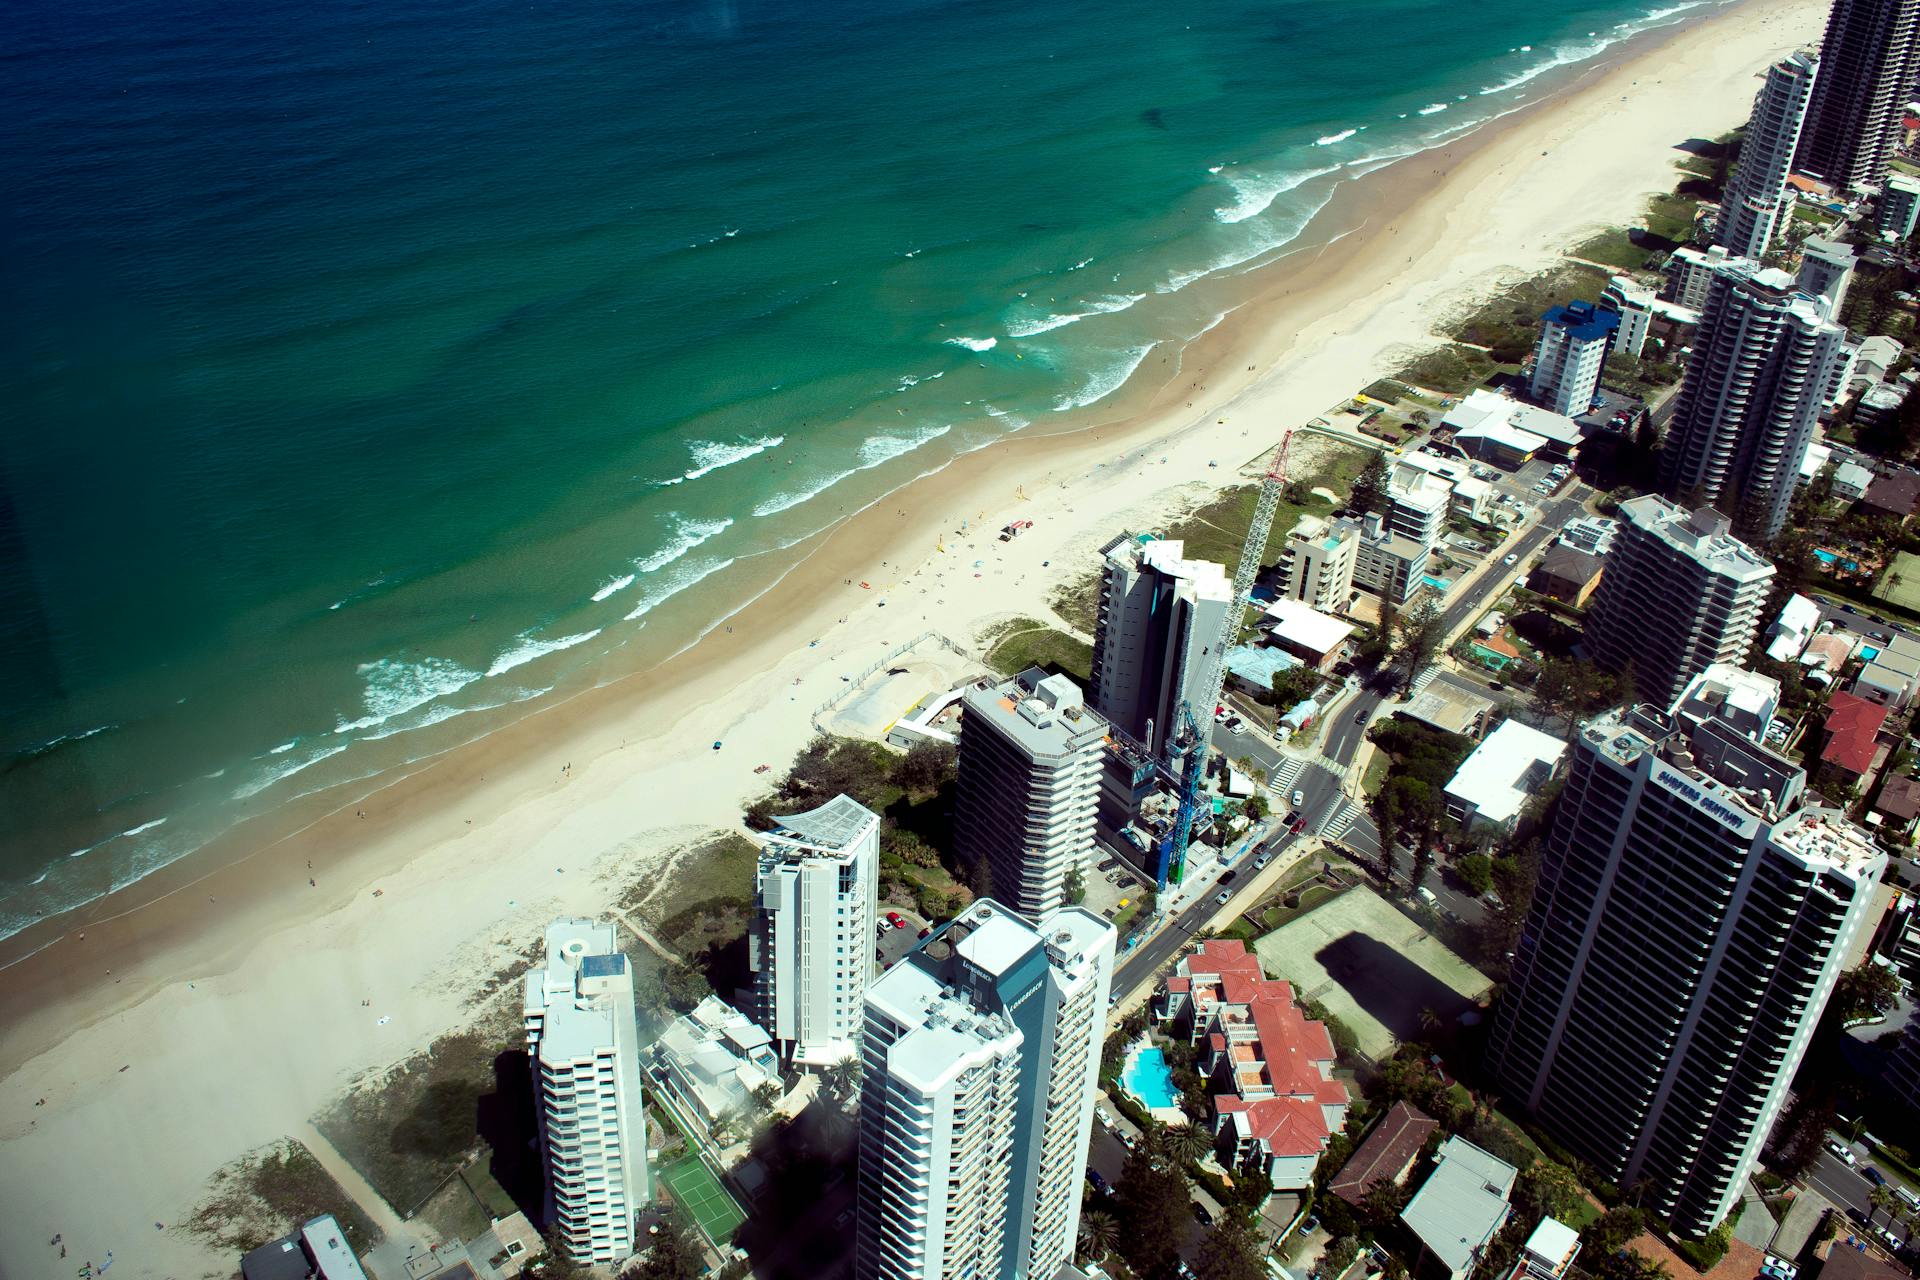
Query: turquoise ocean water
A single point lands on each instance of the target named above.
(368, 369)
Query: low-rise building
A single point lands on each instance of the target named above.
(1851, 481)
(1742, 700)
(1471, 497)
(1460, 1207)
(1567, 574)
(1827, 654)
(1387, 1154)
(1875, 356)
(1390, 565)
(1898, 208)
(1852, 734)
(1502, 430)
(1268, 1067)
(1589, 533)
(1798, 619)
(1308, 634)
(711, 1061)
(1877, 405)
(1898, 805)
(1253, 667)
(317, 1251)
(1548, 1253)
(1494, 783)
(1892, 495)
(1450, 709)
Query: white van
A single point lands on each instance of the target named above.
(1911, 1200)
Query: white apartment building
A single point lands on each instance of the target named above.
(1158, 627)
(1755, 384)
(1390, 565)
(1679, 594)
(1469, 497)
(1826, 271)
(981, 1058)
(1318, 565)
(816, 904)
(1633, 302)
(1031, 756)
(1899, 205)
(1572, 352)
(584, 1046)
(1757, 203)
(1692, 917)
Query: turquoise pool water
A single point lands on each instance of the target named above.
(1833, 557)
(1147, 1078)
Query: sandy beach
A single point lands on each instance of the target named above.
(156, 1035)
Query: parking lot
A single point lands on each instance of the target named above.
(892, 943)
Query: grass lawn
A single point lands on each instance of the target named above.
(1376, 775)
(1217, 530)
(1900, 584)
(1014, 645)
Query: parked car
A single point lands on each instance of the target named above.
(1099, 1183)
(897, 920)
(883, 926)
(1223, 897)
(1299, 825)
(1230, 876)
(1200, 1212)
(1260, 862)
(1236, 727)
(1299, 799)
(1873, 1175)
(1841, 1149)
(1512, 557)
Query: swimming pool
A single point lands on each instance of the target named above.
(1831, 558)
(1147, 1078)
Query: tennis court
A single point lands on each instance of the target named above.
(697, 1191)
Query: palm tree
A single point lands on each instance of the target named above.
(1429, 1020)
(1099, 1234)
(842, 1080)
(1191, 1143)
(1879, 1198)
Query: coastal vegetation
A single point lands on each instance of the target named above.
(1013, 645)
(269, 1192)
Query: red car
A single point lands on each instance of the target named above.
(1299, 825)
(894, 919)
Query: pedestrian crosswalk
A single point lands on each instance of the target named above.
(1341, 821)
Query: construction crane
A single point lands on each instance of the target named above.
(1189, 742)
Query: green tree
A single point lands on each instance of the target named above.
(1152, 1201)
(1420, 634)
(1075, 886)
(672, 1255)
(1369, 492)
(1866, 992)
(842, 1081)
(1229, 1252)
(1609, 1233)
(1191, 1143)
(1476, 871)
(1255, 807)
(1549, 1189)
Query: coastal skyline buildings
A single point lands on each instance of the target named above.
(816, 903)
(1756, 198)
(981, 1058)
(1031, 757)
(1751, 397)
(1678, 594)
(1655, 1034)
(1867, 73)
(584, 1045)
(1159, 620)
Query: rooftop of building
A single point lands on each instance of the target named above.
(1742, 780)
(1447, 707)
(1044, 715)
(1824, 838)
(1169, 556)
(1899, 798)
(579, 992)
(1853, 730)
(1552, 1245)
(1505, 770)
(1852, 475)
(1894, 493)
(1297, 622)
(1703, 535)
(1259, 664)
(1462, 1203)
(834, 827)
(1387, 1151)
(1570, 563)
(1583, 321)
(1745, 699)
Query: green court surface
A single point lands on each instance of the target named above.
(696, 1190)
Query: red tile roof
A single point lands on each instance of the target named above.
(1286, 1126)
(1387, 1152)
(1852, 726)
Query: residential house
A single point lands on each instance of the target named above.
(1305, 632)
(1567, 574)
(1853, 735)
(1793, 628)
(1892, 495)
(1898, 805)
(1851, 481)
(1460, 1208)
(1494, 782)
(1388, 1153)
(1548, 1253)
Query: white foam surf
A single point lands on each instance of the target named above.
(1332, 138)
(975, 344)
(1102, 306)
(873, 452)
(674, 583)
(271, 776)
(709, 456)
(611, 586)
(395, 686)
(687, 535)
(1432, 108)
(527, 648)
(1254, 193)
(1104, 382)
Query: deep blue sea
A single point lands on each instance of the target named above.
(368, 368)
